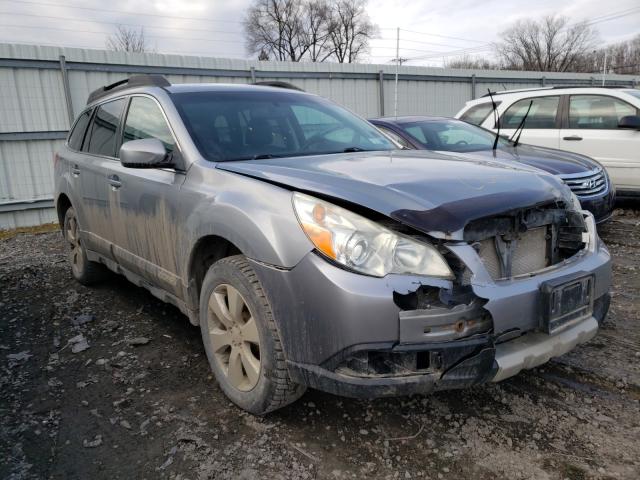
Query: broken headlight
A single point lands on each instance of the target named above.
(362, 245)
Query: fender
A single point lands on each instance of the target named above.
(262, 225)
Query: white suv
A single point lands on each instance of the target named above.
(603, 123)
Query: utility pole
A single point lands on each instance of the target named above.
(604, 67)
(399, 61)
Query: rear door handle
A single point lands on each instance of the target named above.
(114, 181)
(574, 138)
(75, 171)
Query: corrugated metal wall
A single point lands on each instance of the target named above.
(34, 115)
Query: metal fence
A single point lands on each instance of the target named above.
(43, 88)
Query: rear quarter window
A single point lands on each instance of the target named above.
(478, 113)
(79, 129)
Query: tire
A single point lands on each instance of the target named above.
(241, 339)
(84, 271)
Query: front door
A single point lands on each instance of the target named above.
(145, 203)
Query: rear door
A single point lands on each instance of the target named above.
(591, 128)
(542, 124)
(145, 219)
(91, 174)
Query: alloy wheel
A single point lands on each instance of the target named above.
(234, 337)
(76, 255)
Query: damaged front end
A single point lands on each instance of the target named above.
(402, 334)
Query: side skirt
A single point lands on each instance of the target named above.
(141, 282)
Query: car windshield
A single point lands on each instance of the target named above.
(244, 125)
(451, 135)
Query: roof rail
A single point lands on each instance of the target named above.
(133, 81)
(277, 84)
(555, 87)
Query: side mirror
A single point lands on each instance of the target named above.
(145, 153)
(630, 121)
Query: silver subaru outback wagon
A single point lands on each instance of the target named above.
(314, 253)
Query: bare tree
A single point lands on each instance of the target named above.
(275, 27)
(317, 27)
(127, 40)
(547, 45)
(315, 30)
(477, 63)
(351, 30)
(623, 57)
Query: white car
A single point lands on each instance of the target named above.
(602, 123)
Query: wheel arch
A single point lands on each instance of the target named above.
(207, 250)
(63, 203)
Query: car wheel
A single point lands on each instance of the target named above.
(241, 339)
(84, 271)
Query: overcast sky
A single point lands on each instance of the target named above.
(214, 27)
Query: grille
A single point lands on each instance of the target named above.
(529, 254)
(587, 184)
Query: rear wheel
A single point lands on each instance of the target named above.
(84, 271)
(241, 340)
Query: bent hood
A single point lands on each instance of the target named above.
(436, 194)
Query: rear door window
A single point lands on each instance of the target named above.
(145, 120)
(77, 134)
(542, 114)
(102, 139)
(478, 113)
(597, 112)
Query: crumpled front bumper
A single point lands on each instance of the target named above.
(326, 315)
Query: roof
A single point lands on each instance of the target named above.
(137, 81)
(563, 87)
(229, 87)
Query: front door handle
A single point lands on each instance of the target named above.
(115, 182)
(574, 138)
(75, 171)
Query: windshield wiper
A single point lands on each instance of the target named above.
(354, 149)
(520, 128)
(496, 117)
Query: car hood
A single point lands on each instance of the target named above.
(436, 194)
(556, 162)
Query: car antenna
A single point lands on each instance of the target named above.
(520, 128)
(496, 119)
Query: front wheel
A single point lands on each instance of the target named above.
(241, 339)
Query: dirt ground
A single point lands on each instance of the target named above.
(137, 400)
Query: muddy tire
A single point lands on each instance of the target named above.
(241, 339)
(83, 270)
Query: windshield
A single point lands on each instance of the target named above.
(247, 125)
(451, 135)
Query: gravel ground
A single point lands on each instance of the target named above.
(108, 382)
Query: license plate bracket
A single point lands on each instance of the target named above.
(566, 301)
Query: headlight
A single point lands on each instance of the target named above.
(362, 245)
